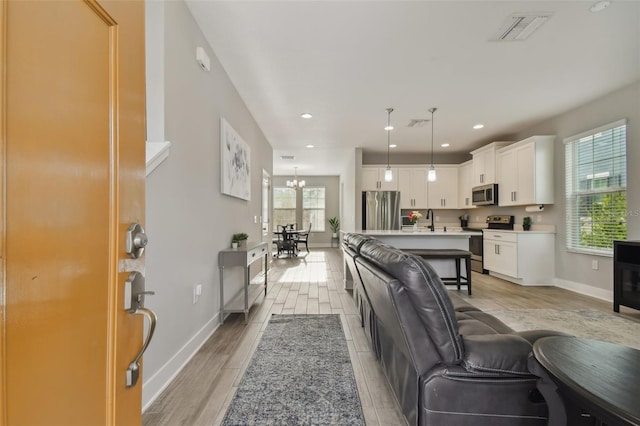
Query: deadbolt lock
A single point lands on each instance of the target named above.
(136, 240)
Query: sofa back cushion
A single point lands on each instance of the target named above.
(426, 292)
(355, 241)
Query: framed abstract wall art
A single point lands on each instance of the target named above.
(235, 159)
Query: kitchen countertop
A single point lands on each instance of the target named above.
(422, 232)
(520, 231)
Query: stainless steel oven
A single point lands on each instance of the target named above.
(476, 243)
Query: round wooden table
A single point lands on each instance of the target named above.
(600, 378)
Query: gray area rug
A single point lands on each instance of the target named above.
(300, 374)
(584, 323)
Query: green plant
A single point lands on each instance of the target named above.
(334, 223)
(526, 223)
(239, 237)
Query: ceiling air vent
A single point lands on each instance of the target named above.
(287, 157)
(520, 26)
(418, 122)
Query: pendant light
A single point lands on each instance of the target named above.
(431, 175)
(388, 174)
(295, 184)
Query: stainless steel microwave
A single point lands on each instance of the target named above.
(485, 195)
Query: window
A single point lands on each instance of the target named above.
(313, 208)
(596, 188)
(284, 206)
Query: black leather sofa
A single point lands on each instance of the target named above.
(447, 362)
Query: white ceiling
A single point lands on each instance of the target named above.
(346, 61)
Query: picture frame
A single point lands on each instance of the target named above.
(235, 163)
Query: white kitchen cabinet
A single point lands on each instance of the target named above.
(443, 193)
(465, 184)
(372, 179)
(522, 257)
(484, 163)
(525, 172)
(412, 184)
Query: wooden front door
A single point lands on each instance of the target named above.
(73, 133)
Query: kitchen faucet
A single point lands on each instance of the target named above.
(430, 213)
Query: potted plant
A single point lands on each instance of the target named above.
(334, 223)
(464, 220)
(239, 240)
(526, 223)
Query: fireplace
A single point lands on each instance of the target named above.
(626, 274)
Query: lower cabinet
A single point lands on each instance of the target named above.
(522, 257)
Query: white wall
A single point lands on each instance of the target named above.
(188, 219)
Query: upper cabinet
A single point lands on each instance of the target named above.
(525, 172)
(418, 193)
(412, 184)
(484, 163)
(443, 193)
(372, 179)
(465, 183)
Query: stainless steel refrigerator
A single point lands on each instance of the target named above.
(381, 210)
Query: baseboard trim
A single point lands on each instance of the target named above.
(587, 290)
(155, 384)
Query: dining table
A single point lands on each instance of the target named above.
(293, 234)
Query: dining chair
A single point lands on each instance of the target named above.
(303, 237)
(285, 241)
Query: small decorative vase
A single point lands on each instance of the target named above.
(234, 245)
(464, 223)
(242, 243)
(415, 227)
(526, 227)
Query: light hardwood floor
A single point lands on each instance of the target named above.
(313, 284)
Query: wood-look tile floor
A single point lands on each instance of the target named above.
(313, 284)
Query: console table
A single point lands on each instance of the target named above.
(598, 377)
(242, 257)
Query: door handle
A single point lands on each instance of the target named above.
(136, 240)
(134, 304)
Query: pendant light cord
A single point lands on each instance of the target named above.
(388, 134)
(432, 110)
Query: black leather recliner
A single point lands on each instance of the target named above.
(447, 362)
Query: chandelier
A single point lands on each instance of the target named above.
(295, 183)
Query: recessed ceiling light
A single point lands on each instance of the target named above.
(478, 126)
(393, 145)
(388, 128)
(306, 115)
(445, 145)
(600, 6)
(310, 146)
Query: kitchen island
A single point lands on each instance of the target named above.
(422, 239)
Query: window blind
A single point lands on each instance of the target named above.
(284, 206)
(313, 208)
(596, 189)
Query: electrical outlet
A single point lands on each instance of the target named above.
(437, 218)
(539, 218)
(255, 219)
(197, 292)
(594, 265)
(477, 218)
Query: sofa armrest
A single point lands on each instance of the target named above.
(499, 354)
